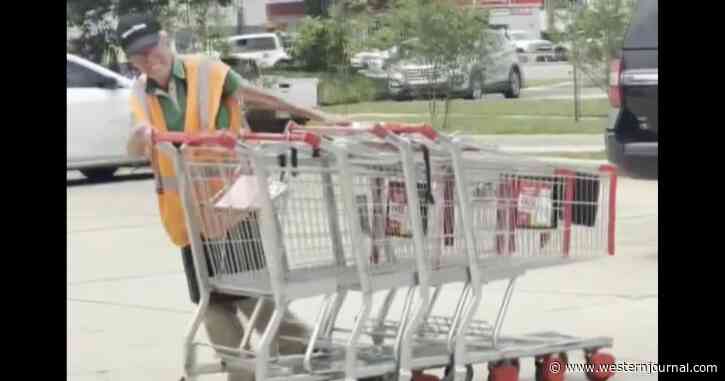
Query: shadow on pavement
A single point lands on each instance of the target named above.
(643, 170)
(115, 179)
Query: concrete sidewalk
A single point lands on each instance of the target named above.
(128, 303)
(543, 143)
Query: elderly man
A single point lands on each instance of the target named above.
(194, 94)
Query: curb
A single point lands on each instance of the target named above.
(572, 149)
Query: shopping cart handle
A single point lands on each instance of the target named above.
(223, 140)
(304, 137)
(381, 130)
(229, 141)
(423, 129)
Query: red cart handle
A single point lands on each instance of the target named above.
(303, 137)
(402, 128)
(379, 129)
(223, 140)
(229, 141)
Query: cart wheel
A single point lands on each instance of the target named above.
(601, 362)
(504, 370)
(418, 375)
(376, 378)
(448, 375)
(551, 367)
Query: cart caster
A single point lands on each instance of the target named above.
(601, 362)
(385, 377)
(448, 375)
(418, 375)
(504, 370)
(551, 367)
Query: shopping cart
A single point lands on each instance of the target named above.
(275, 220)
(438, 251)
(518, 214)
(363, 209)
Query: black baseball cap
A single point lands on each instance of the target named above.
(137, 32)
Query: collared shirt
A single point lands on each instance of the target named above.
(173, 100)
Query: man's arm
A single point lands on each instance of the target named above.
(259, 98)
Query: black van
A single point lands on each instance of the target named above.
(631, 136)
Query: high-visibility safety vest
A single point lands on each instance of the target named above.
(205, 82)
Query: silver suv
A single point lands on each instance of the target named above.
(499, 71)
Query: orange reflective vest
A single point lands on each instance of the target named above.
(205, 82)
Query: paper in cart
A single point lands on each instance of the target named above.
(397, 223)
(244, 193)
(535, 204)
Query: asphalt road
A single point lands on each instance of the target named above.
(128, 304)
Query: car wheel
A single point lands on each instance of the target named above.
(99, 174)
(514, 89)
(475, 87)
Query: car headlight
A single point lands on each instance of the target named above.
(376, 63)
(396, 75)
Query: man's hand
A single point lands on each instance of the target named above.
(262, 99)
(323, 117)
(139, 144)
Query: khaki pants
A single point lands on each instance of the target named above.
(224, 327)
(223, 324)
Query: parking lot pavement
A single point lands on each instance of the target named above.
(128, 303)
(547, 70)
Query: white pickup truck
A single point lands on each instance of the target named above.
(267, 49)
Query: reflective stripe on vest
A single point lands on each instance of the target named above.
(202, 79)
(201, 98)
(168, 183)
(139, 90)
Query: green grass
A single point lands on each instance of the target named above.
(294, 73)
(550, 107)
(599, 155)
(484, 124)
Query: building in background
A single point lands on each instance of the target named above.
(269, 15)
(285, 14)
(525, 15)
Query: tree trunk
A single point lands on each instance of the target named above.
(549, 15)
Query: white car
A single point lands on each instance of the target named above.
(98, 119)
(495, 70)
(266, 49)
(527, 43)
(374, 59)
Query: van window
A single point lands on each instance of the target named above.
(249, 45)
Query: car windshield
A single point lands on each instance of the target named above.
(249, 45)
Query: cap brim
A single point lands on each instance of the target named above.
(142, 44)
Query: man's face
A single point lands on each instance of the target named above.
(155, 61)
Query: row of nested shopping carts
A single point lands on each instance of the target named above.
(391, 212)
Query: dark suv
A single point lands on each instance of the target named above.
(631, 137)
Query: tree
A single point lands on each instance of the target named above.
(96, 20)
(596, 33)
(441, 36)
(325, 43)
